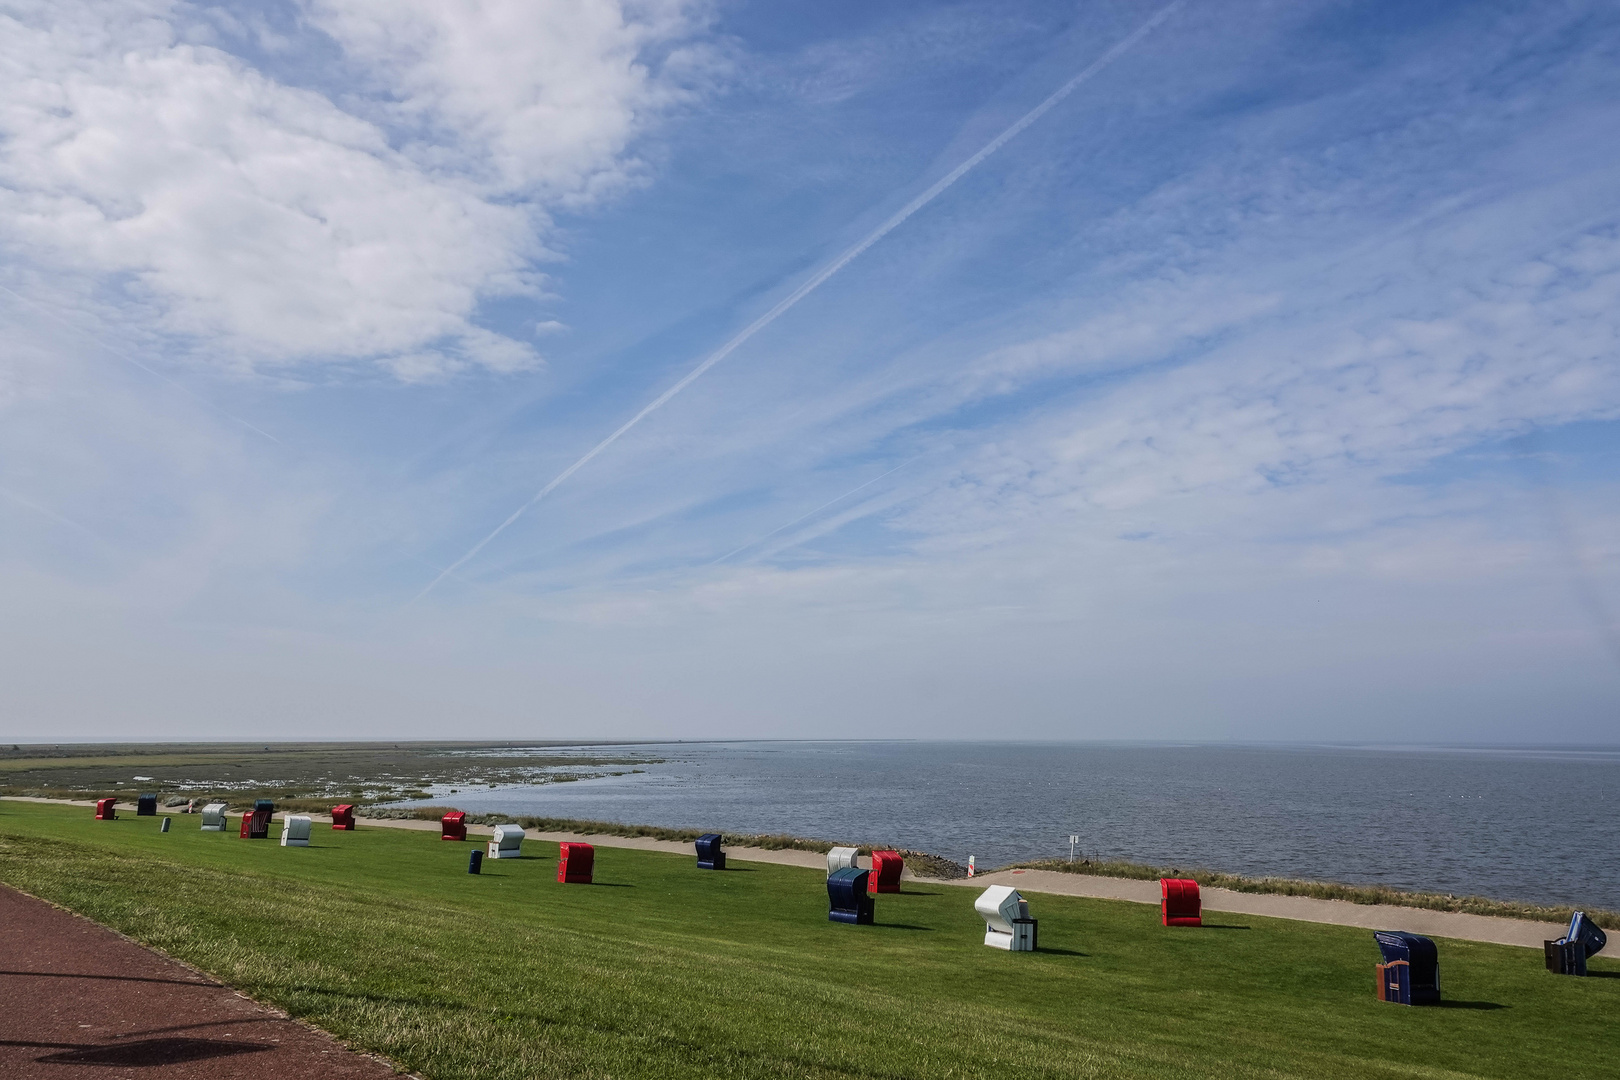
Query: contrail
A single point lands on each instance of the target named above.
(813, 513)
(821, 276)
(58, 518)
(124, 356)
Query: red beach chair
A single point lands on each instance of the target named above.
(256, 825)
(575, 862)
(453, 826)
(1180, 905)
(885, 876)
(104, 810)
(343, 817)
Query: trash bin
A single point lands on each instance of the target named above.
(840, 858)
(343, 817)
(1410, 973)
(213, 817)
(575, 862)
(146, 806)
(475, 861)
(453, 826)
(1007, 924)
(295, 830)
(709, 855)
(1179, 904)
(105, 811)
(886, 868)
(847, 898)
(507, 843)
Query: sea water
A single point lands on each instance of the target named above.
(1533, 824)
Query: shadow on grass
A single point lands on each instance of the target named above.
(1060, 952)
(1590, 974)
(1481, 1005)
(902, 926)
(1222, 926)
(613, 884)
(916, 892)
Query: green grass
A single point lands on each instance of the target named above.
(662, 970)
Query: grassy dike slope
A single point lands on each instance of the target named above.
(661, 970)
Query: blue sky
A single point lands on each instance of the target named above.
(1264, 387)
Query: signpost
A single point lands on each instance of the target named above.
(1073, 840)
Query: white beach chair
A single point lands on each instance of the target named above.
(840, 857)
(213, 817)
(1007, 924)
(295, 831)
(507, 842)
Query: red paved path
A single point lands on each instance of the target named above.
(77, 1000)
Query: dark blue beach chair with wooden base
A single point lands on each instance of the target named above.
(1567, 955)
(847, 898)
(1410, 973)
(710, 857)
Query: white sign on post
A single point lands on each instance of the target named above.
(1073, 840)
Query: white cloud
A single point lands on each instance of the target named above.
(262, 225)
(532, 98)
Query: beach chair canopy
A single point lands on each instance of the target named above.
(840, 858)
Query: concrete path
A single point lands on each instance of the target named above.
(78, 1001)
(1450, 924)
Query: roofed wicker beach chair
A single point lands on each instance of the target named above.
(709, 855)
(507, 843)
(1007, 924)
(1410, 973)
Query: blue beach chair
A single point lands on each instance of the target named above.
(709, 855)
(1567, 955)
(847, 898)
(1410, 973)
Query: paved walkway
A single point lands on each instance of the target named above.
(1450, 924)
(78, 1001)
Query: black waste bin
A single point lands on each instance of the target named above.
(1410, 973)
(848, 900)
(710, 857)
(146, 806)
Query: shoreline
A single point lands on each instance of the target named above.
(1500, 929)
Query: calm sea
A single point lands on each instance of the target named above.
(1524, 824)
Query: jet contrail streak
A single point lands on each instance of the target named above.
(128, 359)
(54, 516)
(813, 513)
(821, 276)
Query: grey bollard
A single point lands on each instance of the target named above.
(475, 861)
(165, 826)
